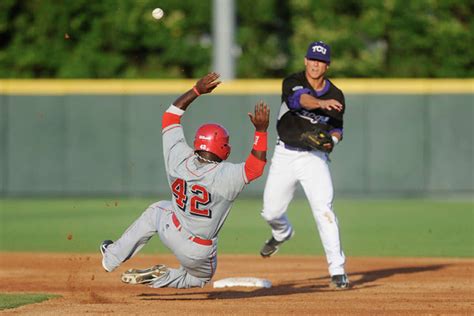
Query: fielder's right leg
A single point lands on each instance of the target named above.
(278, 193)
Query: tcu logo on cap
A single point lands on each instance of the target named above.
(319, 49)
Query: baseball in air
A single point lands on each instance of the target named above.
(157, 13)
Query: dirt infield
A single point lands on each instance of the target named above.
(300, 286)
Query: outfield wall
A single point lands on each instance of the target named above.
(95, 138)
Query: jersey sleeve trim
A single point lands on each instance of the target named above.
(295, 98)
(175, 110)
(336, 130)
(171, 117)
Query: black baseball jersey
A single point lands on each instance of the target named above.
(294, 120)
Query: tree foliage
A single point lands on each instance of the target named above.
(120, 39)
(390, 38)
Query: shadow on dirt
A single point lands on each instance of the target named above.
(371, 276)
(223, 294)
(359, 280)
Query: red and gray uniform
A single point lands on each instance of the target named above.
(203, 193)
(202, 196)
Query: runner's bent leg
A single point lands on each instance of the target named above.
(134, 238)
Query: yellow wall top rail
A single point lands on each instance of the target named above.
(233, 87)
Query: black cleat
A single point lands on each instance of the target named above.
(272, 245)
(103, 248)
(339, 282)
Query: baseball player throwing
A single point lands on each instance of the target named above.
(309, 125)
(203, 188)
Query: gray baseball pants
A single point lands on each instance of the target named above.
(198, 262)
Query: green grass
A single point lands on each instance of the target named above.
(368, 227)
(16, 300)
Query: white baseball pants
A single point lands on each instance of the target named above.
(311, 169)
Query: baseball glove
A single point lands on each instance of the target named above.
(318, 139)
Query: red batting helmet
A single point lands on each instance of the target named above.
(213, 138)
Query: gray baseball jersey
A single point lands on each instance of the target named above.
(203, 193)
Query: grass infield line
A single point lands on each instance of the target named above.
(13, 300)
(234, 87)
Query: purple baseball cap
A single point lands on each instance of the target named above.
(319, 51)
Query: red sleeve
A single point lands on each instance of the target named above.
(170, 119)
(253, 167)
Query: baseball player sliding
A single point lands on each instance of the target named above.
(203, 188)
(309, 125)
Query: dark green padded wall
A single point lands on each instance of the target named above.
(3, 147)
(349, 166)
(93, 145)
(36, 145)
(395, 152)
(450, 143)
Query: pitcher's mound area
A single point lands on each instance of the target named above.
(299, 286)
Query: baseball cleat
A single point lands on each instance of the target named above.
(103, 248)
(145, 276)
(339, 282)
(272, 245)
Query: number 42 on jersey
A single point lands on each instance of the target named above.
(199, 198)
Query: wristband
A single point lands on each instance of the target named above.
(260, 141)
(196, 91)
(335, 140)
